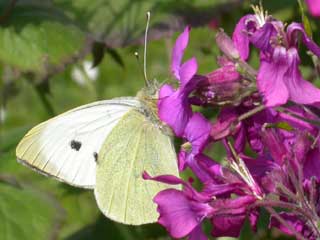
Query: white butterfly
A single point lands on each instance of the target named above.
(106, 146)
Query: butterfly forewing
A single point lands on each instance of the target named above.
(66, 147)
(135, 145)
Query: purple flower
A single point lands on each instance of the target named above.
(272, 153)
(279, 78)
(173, 105)
(314, 7)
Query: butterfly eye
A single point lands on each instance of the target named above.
(76, 145)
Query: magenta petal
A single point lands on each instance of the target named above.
(226, 45)
(213, 168)
(197, 132)
(222, 190)
(314, 7)
(274, 144)
(178, 50)
(234, 206)
(271, 78)
(240, 37)
(176, 213)
(187, 71)
(260, 166)
(253, 219)
(292, 31)
(300, 90)
(175, 111)
(168, 179)
(240, 140)
(227, 226)
(197, 234)
(230, 215)
(261, 38)
(224, 75)
(182, 160)
(311, 166)
(198, 169)
(165, 91)
(222, 128)
(295, 122)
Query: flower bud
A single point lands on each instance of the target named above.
(226, 45)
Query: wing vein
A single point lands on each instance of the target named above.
(130, 172)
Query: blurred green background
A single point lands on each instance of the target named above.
(59, 54)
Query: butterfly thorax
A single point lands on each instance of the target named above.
(149, 98)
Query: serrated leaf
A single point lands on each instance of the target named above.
(36, 36)
(27, 214)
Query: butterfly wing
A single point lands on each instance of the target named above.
(133, 146)
(65, 147)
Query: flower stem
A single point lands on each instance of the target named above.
(251, 112)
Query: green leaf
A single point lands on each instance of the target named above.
(28, 214)
(121, 23)
(37, 36)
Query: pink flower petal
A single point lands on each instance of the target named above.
(178, 50)
(300, 90)
(270, 78)
(240, 37)
(176, 213)
(314, 7)
(187, 71)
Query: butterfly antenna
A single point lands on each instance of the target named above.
(145, 50)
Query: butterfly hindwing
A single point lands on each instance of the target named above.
(135, 145)
(66, 147)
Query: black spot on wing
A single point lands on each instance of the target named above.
(76, 145)
(95, 155)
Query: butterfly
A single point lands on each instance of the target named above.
(106, 146)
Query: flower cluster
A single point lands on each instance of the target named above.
(268, 123)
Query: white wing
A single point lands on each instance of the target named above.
(66, 146)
